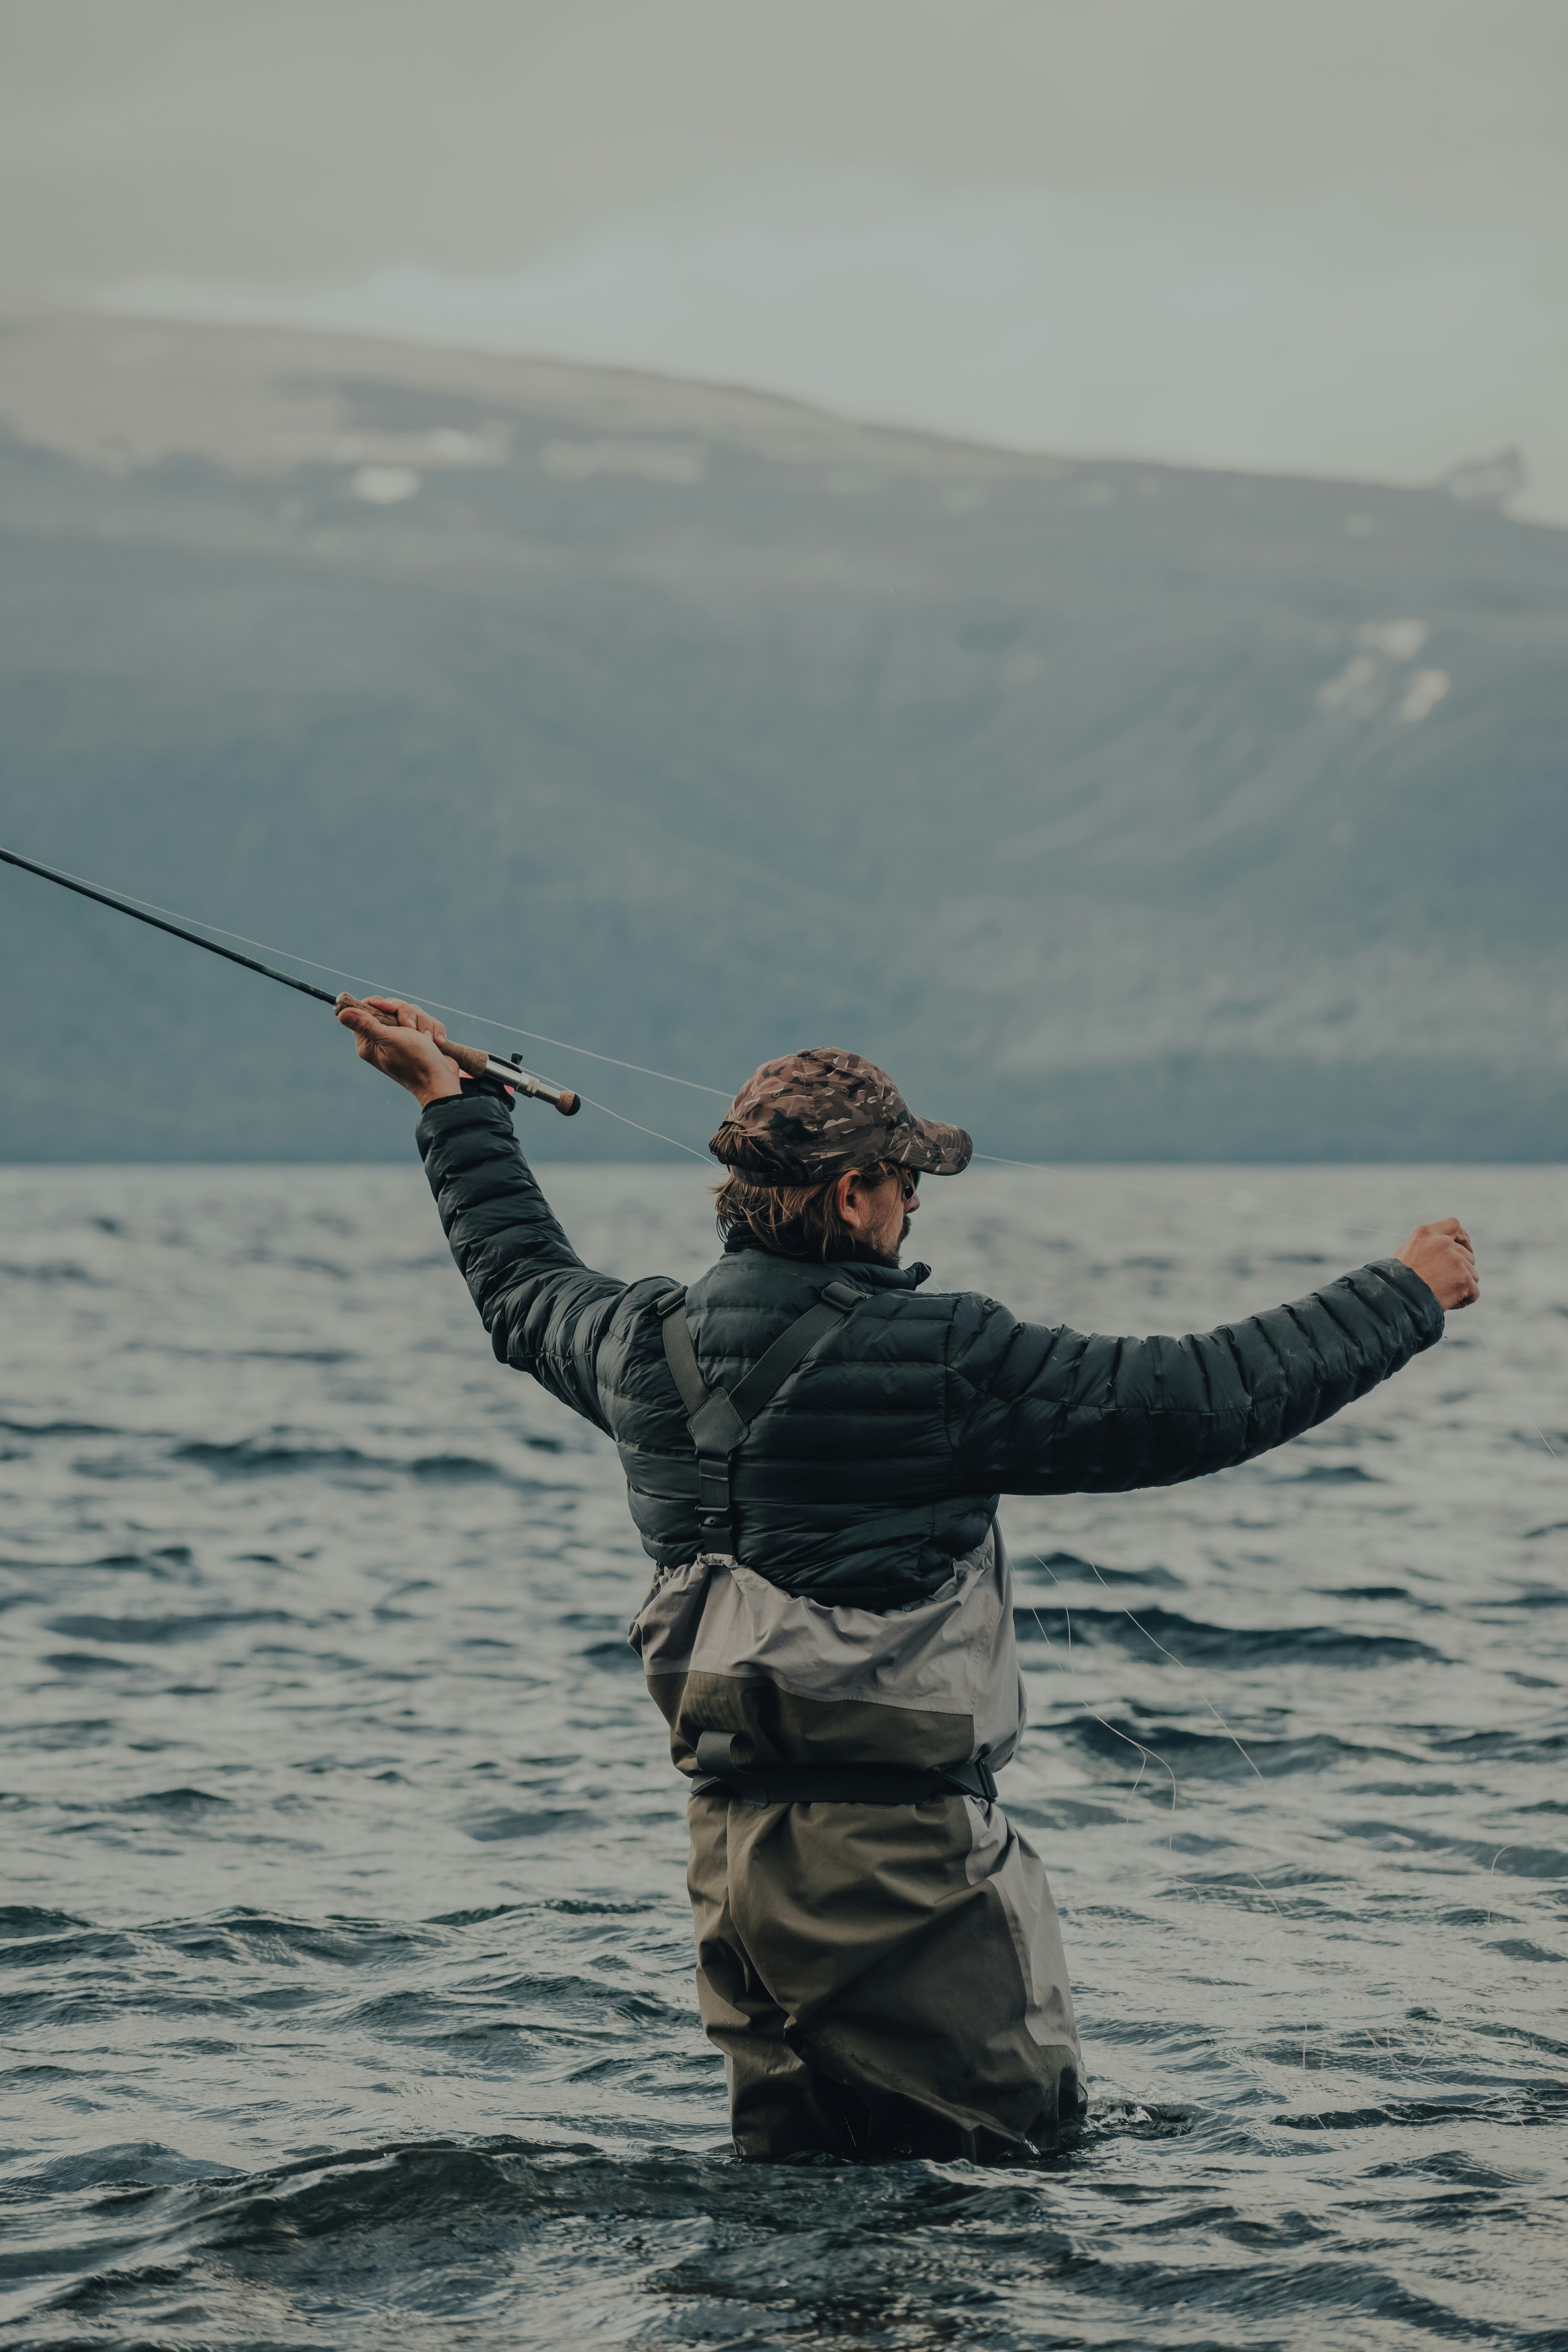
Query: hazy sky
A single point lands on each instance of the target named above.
(1327, 235)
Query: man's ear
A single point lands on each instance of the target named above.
(847, 1190)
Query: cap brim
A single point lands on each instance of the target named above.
(936, 1150)
(925, 1144)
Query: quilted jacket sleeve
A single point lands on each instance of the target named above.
(545, 1310)
(1034, 1411)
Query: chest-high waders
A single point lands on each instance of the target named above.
(877, 1952)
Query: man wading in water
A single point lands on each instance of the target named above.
(814, 1451)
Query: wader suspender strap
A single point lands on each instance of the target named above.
(718, 1422)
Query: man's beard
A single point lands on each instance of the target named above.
(847, 1244)
(891, 1256)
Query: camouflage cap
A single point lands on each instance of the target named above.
(819, 1113)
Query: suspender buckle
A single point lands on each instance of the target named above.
(713, 1492)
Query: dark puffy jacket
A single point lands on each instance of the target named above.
(912, 1418)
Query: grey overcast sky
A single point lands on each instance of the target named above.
(1321, 235)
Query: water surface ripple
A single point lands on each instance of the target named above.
(346, 1992)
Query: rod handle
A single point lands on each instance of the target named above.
(468, 1058)
(477, 1064)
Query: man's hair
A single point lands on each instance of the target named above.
(794, 1220)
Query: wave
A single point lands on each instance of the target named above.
(149, 1563)
(59, 1270)
(238, 1937)
(1192, 1641)
(196, 1627)
(85, 1662)
(123, 2164)
(457, 1470)
(1513, 1860)
(1069, 1564)
(179, 1800)
(59, 1429)
(19, 1919)
(497, 1823)
(1213, 1755)
(1332, 1474)
(249, 1457)
(1542, 2103)
(241, 1938)
(614, 1657)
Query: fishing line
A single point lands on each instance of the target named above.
(1046, 1167)
(1187, 1670)
(1146, 1753)
(1503, 1369)
(691, 1154)
(1133, 1620)
(1246, 1759)
(490, 1022)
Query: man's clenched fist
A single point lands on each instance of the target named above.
(1444, 1257)
(405, 1043)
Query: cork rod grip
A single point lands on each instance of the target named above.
(477, 1064)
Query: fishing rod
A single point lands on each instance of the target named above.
(471, 1059)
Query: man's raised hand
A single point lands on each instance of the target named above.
(1444, 1257)
(405, 1044)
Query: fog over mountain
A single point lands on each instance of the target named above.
(1123, 811)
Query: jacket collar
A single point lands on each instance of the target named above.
(863, 1267)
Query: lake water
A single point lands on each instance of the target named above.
(345, 1993)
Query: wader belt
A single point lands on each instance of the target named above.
(830, 1784)
(718, 1423)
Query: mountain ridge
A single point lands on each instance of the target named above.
(1123, 811)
